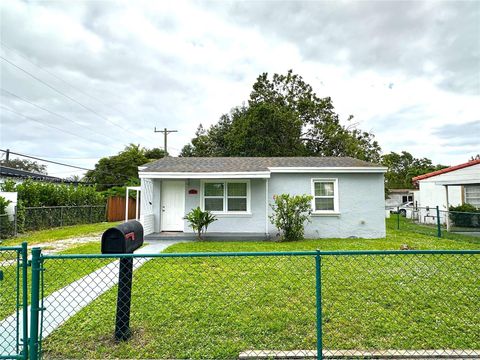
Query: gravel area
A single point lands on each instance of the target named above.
(62, 245)
(56, 246)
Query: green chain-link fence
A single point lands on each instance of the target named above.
(435, 222)
(8, 226)
(13, 302)
(37, 218)
(229, 305)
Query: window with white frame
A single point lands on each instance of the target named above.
(226, 196)
(325, 195)
(472, 195)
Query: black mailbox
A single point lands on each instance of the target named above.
(123, 239)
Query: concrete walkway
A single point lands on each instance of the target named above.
(66, 302)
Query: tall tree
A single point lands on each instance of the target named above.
(284, 117)
(403, 167)
(121, 169)
(24, 164)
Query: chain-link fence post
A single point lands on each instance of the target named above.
(24, 256)
(15, 226)
(398, 218)
(439, 229)
(318, 296)
(35, 303)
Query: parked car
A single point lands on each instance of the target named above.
(404, 208)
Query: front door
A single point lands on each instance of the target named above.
(173, 205)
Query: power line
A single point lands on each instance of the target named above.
(62, 164)
(67, 96)
(44, 124)
(58, 77)
(53, 113)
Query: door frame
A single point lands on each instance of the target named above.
(162, 198)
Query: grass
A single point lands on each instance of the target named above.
(407, 226)
(66, 232)
(57, 276)
(218, 307)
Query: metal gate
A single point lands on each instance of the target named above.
(13, 302)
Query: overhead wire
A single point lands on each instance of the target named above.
(68, 97)
(58, 77)
(64, 164)
(45, 124)
(53, 113)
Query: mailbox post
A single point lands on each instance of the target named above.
(123, 239)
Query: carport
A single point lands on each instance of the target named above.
(446, 184)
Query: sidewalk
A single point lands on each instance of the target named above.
(74, 297)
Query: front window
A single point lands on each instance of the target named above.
(325, 195)
(226, 196)
(237, 196)
(214, 196)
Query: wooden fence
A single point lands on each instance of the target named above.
(116, 208)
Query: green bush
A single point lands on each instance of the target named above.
(46, 205)
(199, 221)
(34, 194)
(465, 215)
(6, 226)
(290, 214)
(3, 205)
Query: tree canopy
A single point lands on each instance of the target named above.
(403, 167)
(122, 169)
(284, 117)
(24, 164)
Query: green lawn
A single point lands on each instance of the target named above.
(218, 307)
(57, 276)
(42, 236)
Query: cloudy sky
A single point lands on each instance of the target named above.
(80, 80)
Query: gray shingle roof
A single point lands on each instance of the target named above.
(246, 164)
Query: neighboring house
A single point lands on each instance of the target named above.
(348, 194)
(454, 185)
(19, 175)
(397, 197)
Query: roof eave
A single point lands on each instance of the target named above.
(337, 169)
(204, 175)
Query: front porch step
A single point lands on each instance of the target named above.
(208, 237)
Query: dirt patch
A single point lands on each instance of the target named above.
(62, 245)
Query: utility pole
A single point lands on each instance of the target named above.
(7, 158)
(165, 132)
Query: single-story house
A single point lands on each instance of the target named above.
(397, 197)
(348, 194)
(455, 185)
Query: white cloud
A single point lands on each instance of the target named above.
(175, 65)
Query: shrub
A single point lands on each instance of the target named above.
(199, 221)
(34, 194)
(3, 205)
(290, 214)
(465, 215)
(82, 204)
(6, 226)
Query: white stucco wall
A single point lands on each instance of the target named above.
(361, 204)
(248, 223)
(433, 195)
(432, 192)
